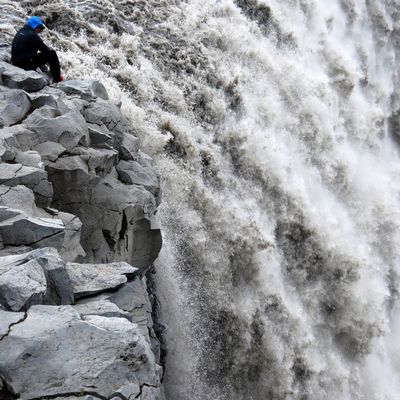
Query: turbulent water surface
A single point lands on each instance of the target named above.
(273, 125)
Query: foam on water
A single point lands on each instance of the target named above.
(272, 125)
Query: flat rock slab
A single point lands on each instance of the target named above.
(14, 105)
(36, 277)
(17, 78)
(17, 228)
(55, 352)
(88, 279)
(86, 89)
(103, 308)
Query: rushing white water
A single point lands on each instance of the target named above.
(272, 124)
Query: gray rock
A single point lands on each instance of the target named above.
(93, 354)
(21, 285)
(106, 113)
(100, 161)
(152, 393)
(29, 159)
(14, 105)
(7, 320)
(18, 197)
(36, 277)
(18, 229)
(17, 78)
(71, 248)
(19, 138)
(131, 172)
(129, 392)
(41, 99)
(49, 151)
(132, 297)
(33, 178)
(128, 146)
(103, 308)
(67, 129)
(86, 89)
(99, 134)
(89, 279)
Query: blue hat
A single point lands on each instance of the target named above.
(35, 22)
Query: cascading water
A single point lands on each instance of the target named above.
(273, 125)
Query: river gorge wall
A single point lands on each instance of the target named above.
(78, 202)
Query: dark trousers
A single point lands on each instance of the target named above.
(40, 59)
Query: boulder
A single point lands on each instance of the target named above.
(14, 105)
(29, 158)
(86, 355)
(33, 178)
(18, 228)
(18, 197)
(131, 172)
(67, 129)
(21, 284)
(108, 114)
(41, 99)
(17, 78)
(127, 145)
(86, 89)
(89, 279)
(99, 134)
(50, 151)
(36, 277)
(18, 138)
(100, 161)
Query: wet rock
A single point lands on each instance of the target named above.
(88, 279)
(86, 89)
(94, 354)
(14, 105)
(67, 129)
(17, 78)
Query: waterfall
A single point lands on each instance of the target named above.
(275, 127)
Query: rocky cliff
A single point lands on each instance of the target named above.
(77, 236)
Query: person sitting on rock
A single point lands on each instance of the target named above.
(29, 52)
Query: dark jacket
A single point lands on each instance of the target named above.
(26, 45)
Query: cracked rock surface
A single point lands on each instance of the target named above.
(77, 207)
